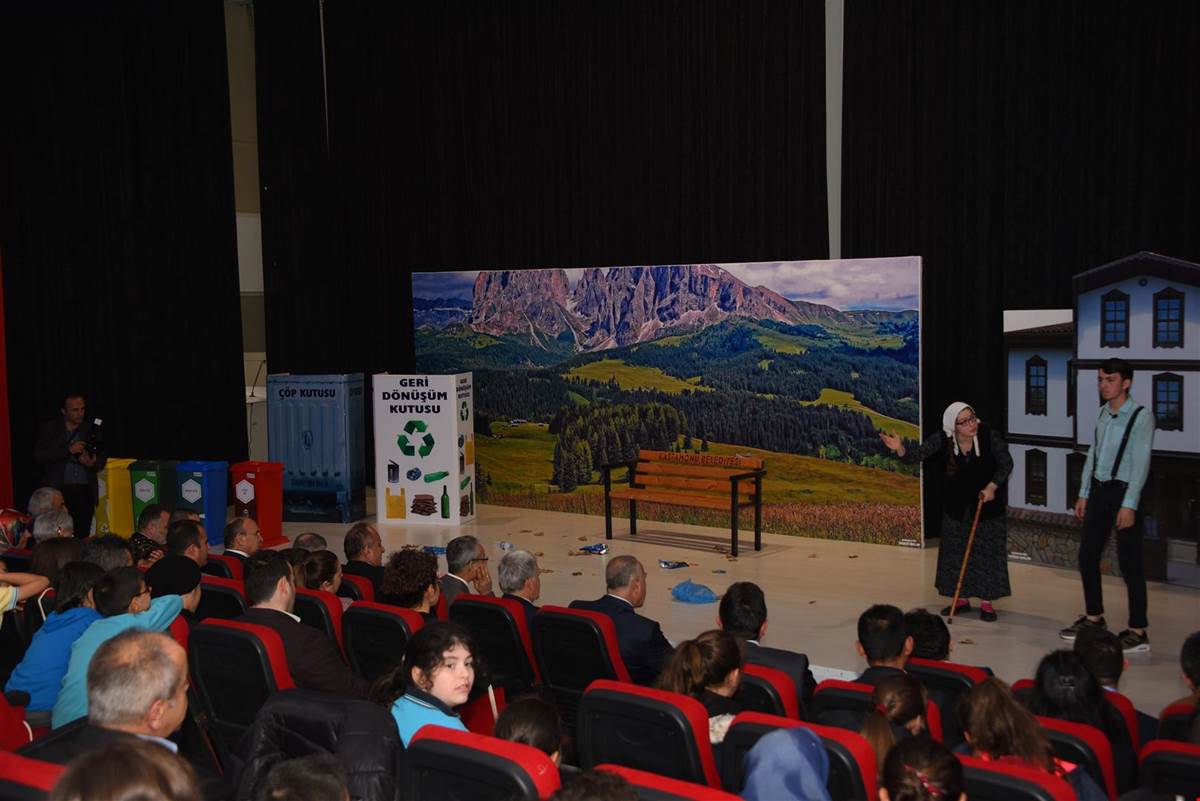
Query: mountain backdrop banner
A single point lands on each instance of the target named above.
(801, 363)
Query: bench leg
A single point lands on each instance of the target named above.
(633, 518)
(607, 516)
(733, 527)
(758, 517)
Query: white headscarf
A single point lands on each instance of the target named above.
(950, 417)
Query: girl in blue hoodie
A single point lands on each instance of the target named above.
(41, 671)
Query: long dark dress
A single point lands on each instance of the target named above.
(964, 476)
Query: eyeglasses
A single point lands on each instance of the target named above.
(968, 421)
(480, 559)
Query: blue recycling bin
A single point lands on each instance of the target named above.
(203, 488)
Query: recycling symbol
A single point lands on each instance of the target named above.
(464, 411)
(407, 448)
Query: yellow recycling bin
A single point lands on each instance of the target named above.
(114, 510)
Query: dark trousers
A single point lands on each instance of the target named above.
(1098, 523)
(81, 503)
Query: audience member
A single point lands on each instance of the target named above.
(787, 764)
(531, 720)
(709, 669)
(520, 580)
(1065, 689)
(295, 557)
(177, 575)
(1101, 652)
(743, 613)
(930, 635)
(364, 554)
(884, 641)
(312, 657)
(898, 711)
(122, 598)
(921, 769)
(41, 670)
(50, 555)
(323, 571)
(435, 676)
(596, 785)
(310, 541)
(17, 587)
(998, 728)
(188, 538)
(184, 514)
(410, 581)
(1189, 669)
(16, 529)
(128, 770)
(109, 551)
(71, 459)
(150, 539)
(242, 538)
(55, 523)
(466, 563)
(644, 649)
(316, 777)
(45, 499)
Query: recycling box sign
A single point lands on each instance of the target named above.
(424, 449)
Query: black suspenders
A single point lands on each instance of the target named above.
(1112, 475)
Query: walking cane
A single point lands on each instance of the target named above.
(962, 572)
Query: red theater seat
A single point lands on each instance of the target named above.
(574, 647)
(25, 779)
(652, 787)
(179, 630)
(221, 598)
(442, 612)
(14, 731)
(769, 691)
(655, 730)
(1002, 781)
(1087, 747)
(235, 667)
(947, 682)
(446, 763)
(1171, 768)
(503, 638)
(231, 566)
(321, 610)
(375, 636)
(17, 559)
(1174, 720)
(358, 588)
(851, 759)
(846, 704)
(1128, 714)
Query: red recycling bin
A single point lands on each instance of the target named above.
(258, 493)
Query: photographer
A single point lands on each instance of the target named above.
(70, 453)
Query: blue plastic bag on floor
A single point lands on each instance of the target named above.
(691, 593)
(436, 550)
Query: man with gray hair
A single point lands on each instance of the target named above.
(45, 499)
(57, 523)
(520, 580)
(466, 560)
(644, 649)
(310, 541)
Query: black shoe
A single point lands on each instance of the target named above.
(1133, 643)
(1083, 622)
(987, 615)
(961, 608)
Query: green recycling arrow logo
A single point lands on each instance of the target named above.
(407, 447)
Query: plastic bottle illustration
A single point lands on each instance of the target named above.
(445, 503)
(394, 504)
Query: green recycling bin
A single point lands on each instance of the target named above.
(153, 481)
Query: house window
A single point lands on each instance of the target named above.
(1035, 385)
(1070, 389)
(1075, 462)
(1035, 478)
(1168, 319)
(1114, 320)
(1168, 401)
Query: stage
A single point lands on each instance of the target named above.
(816, 589)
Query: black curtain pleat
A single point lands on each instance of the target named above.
(529, 134)
(1013, 145)
(117, 226)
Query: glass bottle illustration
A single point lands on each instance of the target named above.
(445, 503)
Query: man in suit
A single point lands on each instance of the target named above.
(242, 538)
(644, 649)
(884, 641)
(70, 458)
(520, 580)
(364, 554)
(188, 538)
(466, 560)
(743, 613)
(312, 657)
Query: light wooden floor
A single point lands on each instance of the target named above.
(816, 589)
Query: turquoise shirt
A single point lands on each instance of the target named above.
(415, 709)
(1135, 464)
(72, 700)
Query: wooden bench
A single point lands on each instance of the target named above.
(706, 480)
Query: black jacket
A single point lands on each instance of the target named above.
(644, 649)
(313, 658)
(373, 573)
(52, 455)
(792, 663)
(295, 723)
(529, 607)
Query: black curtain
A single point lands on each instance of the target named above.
(530, 134)
(1013, 145)
(117, 226)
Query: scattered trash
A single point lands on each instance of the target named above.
(729, 558)
(436, 550)
(691, 593)
(721, 571)
(582, 539)
(526, 530)
(853, 556)
(599, 548)
(670, 565)
(505, 545)
(539, 533)
(545, 570)
(812, 602)
(539, 554)
(577, 573)
(966, 641)
(812, 556)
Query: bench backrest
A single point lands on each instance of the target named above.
(694, 473)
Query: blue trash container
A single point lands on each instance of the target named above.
(203, 488)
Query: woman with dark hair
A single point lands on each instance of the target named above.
(532, 721)
(1065, 689)
(709, 669)
(920, 769)
(50, 555)
(45, 662)
(435, 676)
(322, 571)
(127, 769)
(898, 712)
(997, 728)
(410, 581)
(976, 464)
